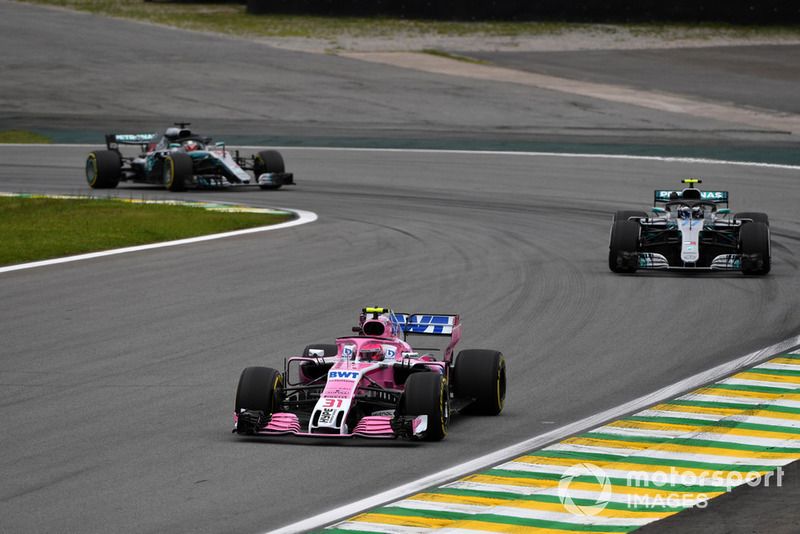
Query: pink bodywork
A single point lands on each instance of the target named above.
(348, 373)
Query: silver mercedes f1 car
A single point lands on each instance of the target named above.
(181, 159)
(690, 230)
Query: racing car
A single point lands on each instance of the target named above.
(690, 230)
(181, 159)
(373, 384)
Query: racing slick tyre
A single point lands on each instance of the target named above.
(624, 215)
(426, 394)
(481, 375)
(755, 242)
(178, 171)
(103, 169)
(623, 245)
(268, 161)
(756, 216)
(260, 389)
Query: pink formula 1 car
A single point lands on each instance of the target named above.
(373, 384)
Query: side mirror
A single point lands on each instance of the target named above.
(724, 211)
(659, 210)
(316, 353)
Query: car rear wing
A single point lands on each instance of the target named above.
(437, 325)
(143, 140)
(669, 195)
(426, 324)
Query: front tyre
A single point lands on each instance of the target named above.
(481, 375)
(177, 171)
(623, 246)
(259, 389)
(756, 248)
(426, 394)
(268, 161)
(103, 169)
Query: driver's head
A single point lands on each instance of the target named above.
(190, 146)
(372, 352)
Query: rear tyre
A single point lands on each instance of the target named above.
(481, 374)
(268, 161)
(177, 171)
(426, 394)
(755, 215)
(755, 242)
(624, 240)
(103, 169)
(259, 389)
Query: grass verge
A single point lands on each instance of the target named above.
(23, 137)
(37, 228)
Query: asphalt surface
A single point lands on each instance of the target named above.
(118, 374)
(759, 77)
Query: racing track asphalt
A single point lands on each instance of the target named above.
(118, 374)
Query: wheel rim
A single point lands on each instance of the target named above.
(91, 169)
(169, 173)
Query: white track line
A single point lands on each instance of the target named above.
(670, 159)
(537, 442)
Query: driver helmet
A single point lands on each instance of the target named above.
(372, 352)
(191, 145)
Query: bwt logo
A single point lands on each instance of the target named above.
(343, 374)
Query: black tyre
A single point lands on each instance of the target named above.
(268, 161)
(624, 239)
(756, 248)
(426, 394)
(260, 388)
(177, 171)
(755, 215)
(624, 215)
(103, 169)
(481, 374)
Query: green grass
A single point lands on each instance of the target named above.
(35, 228)
(233, 19)
(23, 136)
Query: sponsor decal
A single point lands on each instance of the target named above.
(135, 138)
(343, 374)
(705, 195)
(327, 415)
